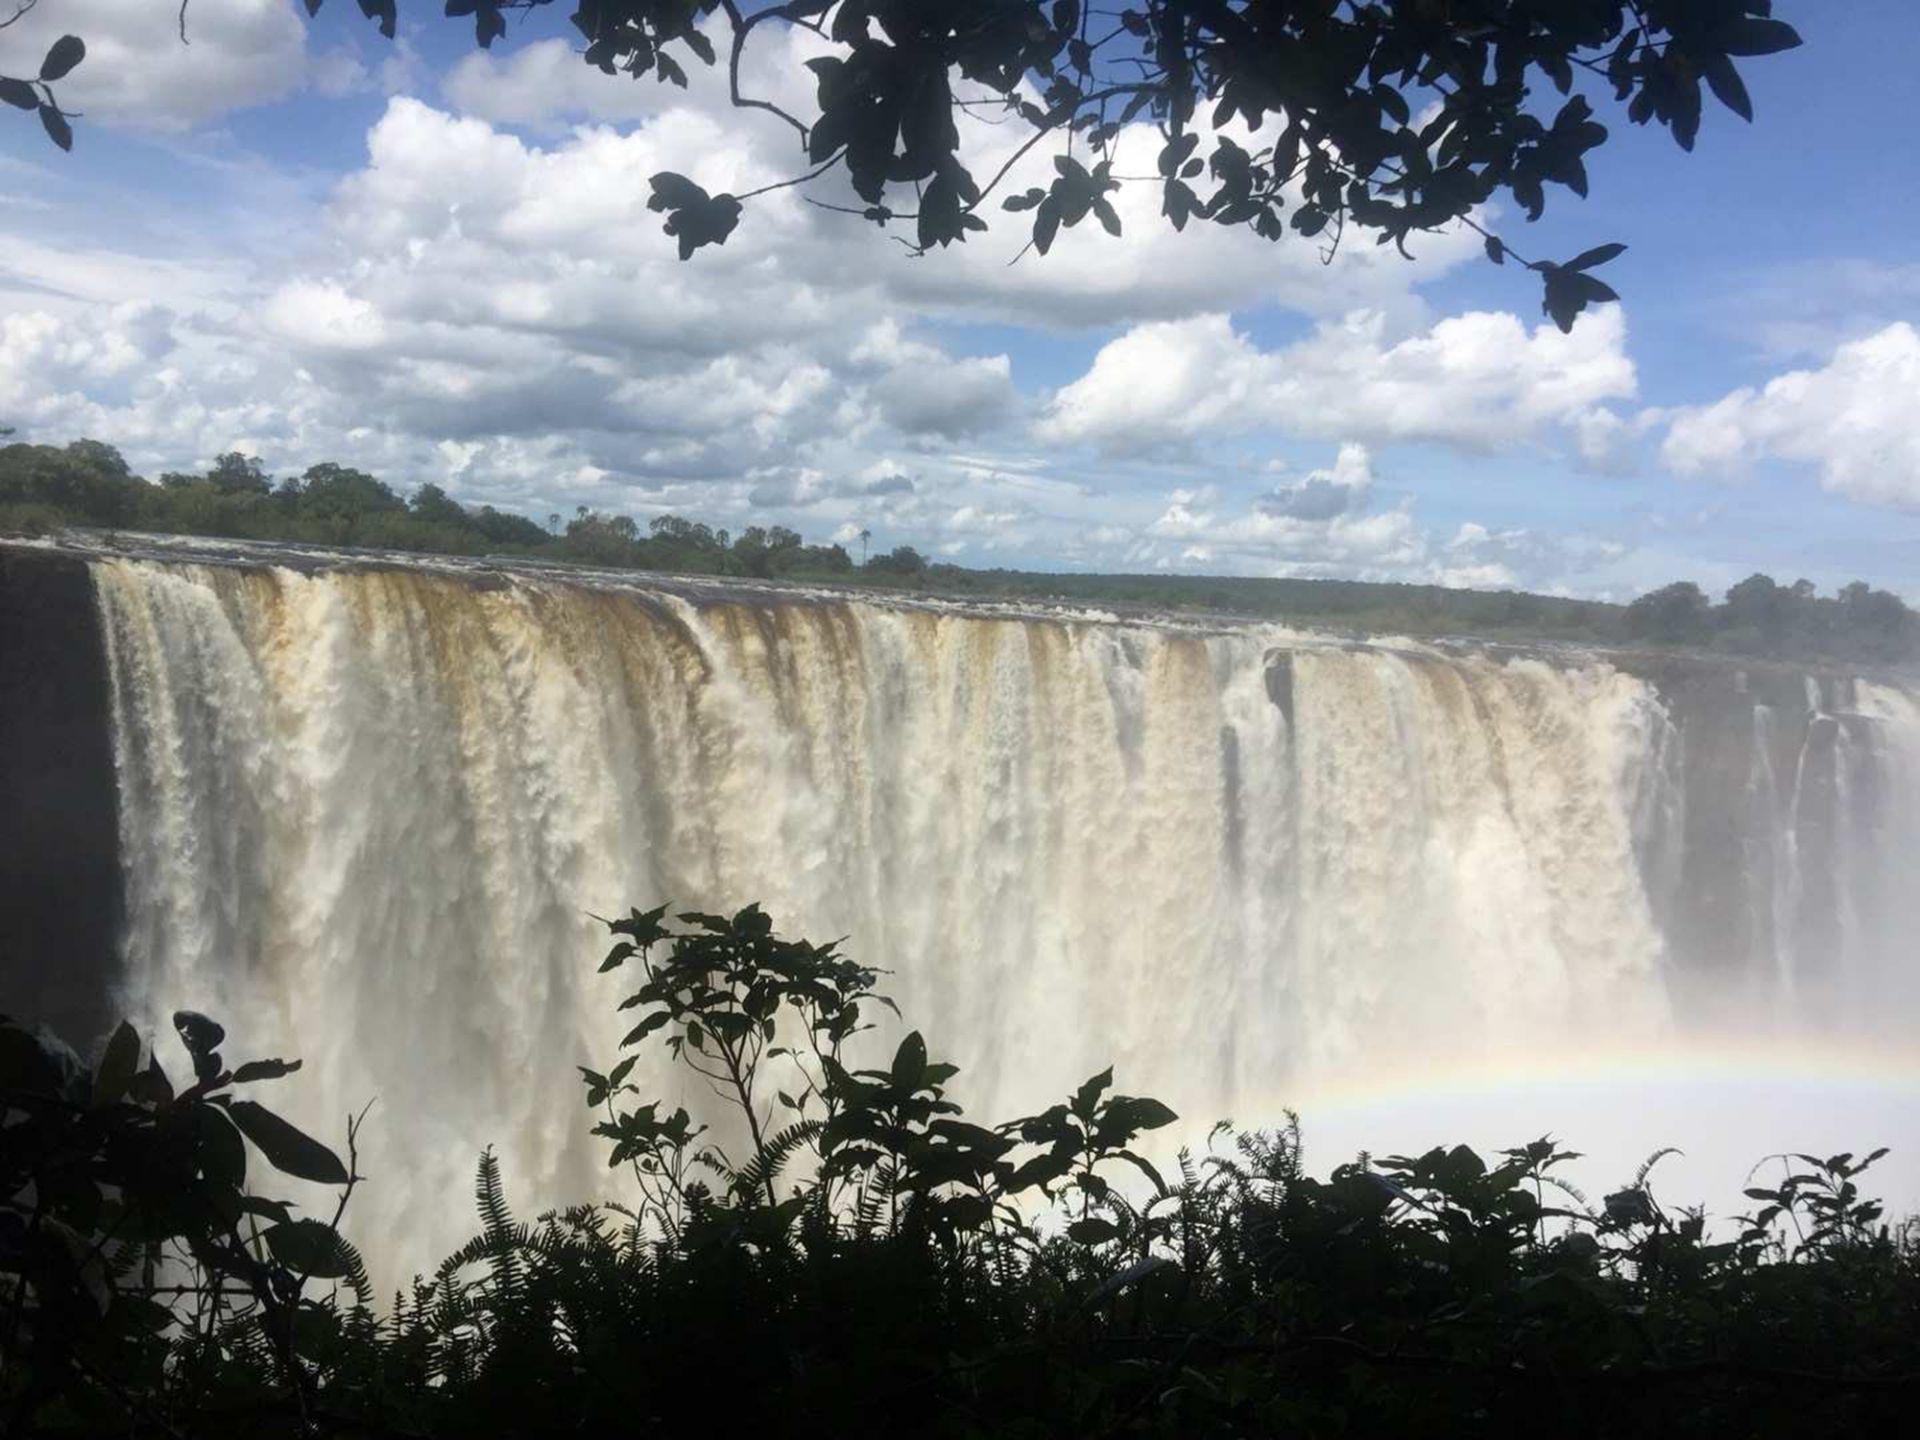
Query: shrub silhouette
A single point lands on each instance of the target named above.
(839, 1250)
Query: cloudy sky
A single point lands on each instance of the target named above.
(303, 241)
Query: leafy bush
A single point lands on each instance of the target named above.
(143, 1284)
(839, 1250)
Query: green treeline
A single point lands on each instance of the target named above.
(43, 487)
(832, 1251)
(1762, 617)
(1758, 617)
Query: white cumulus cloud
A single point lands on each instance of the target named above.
(1480, 381)
(1856, 418)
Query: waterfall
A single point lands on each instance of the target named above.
(367, 815)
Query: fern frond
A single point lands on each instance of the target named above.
(871, 1206)
(490, 1195)
(759, 1173)
(1567, 1187)
(356, 1277)
(1646, 1166)
(1189, 1177)
(503, 1238)
(489, 1245)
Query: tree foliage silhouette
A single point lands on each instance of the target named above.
(1316, 118)
(34, 92)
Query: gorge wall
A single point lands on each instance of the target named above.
(363, 815)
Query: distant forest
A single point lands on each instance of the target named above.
(88, 483)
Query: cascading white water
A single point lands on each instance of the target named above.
(365, 815)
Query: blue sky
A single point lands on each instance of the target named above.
(301, 240)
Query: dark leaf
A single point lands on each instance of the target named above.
(1496, 251)
(1041, 1170)
(381, 10)
(672, 191)
(287, 1148)
(1174, 153)
(198, 1033)
(1309, 221)
(1092, 1230)
(264, 1070)
(1568, 292)
(910, 1063)
(56, 126)
(67, 52)
(1124, 1116)
(151, 1086)
(19, 93)
(266, 1209)
(700, 45)
(1150, 1114)
(1046, 224)
(1685, 101)
(645, 1028)
(1727, 86)
(221, 1155)
(1179, 203)
(118, 1065)
(1748, 36)
(1599, 255)
(309, 1248)
(1087, 1098)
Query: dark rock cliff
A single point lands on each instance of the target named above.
(60, 887)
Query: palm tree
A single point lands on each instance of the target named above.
(865, 535)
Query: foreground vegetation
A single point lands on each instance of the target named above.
(1392, 121)
(88, 483)
(846, 1253)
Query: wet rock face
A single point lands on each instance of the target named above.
(1280, 682)
(1772, 849)
(60, 884)
(1770, 824)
